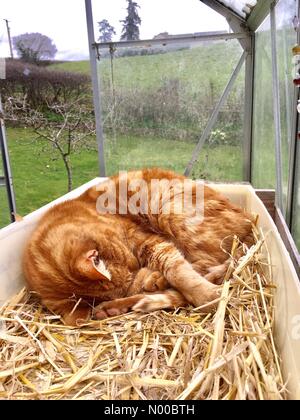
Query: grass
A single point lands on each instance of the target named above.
(38, 179)
(208, 66)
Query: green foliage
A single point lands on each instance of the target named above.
(41, 87)
(52, 117)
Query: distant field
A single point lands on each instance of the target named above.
(38, 179)
(169, 95)
(72, 66)
(193, 67)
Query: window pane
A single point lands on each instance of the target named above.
(157, 102)
(263, 156)
(264, 164)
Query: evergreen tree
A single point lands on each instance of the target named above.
(106, 31)
(131, 23)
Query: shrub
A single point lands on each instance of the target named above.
(40, 86)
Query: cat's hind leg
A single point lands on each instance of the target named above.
(140, 303)
(164, 257)
(217, 273)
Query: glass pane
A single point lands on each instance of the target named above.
(242, 7)
(264, 171)
(263, 154)
(286, 39)
(221, 158)
(156, 103)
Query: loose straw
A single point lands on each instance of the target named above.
(229, 354)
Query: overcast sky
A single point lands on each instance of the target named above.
(64, 20)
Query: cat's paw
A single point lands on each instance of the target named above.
(155, 282)
(115, 307)
(216, 274)
(152, 303)
(108, 310)
(204, 294)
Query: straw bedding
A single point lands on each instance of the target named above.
(185, 354)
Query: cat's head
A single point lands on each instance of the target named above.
(66, 262)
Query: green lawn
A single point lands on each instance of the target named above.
(38, 179)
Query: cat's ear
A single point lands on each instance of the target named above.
(92, 267)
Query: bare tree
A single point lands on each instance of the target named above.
(33, 47)
(70, 134)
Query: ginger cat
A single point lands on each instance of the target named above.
(80, 255)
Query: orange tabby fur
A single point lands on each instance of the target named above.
(141, 254)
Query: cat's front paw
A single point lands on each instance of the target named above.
(107, 310)
(115, 307)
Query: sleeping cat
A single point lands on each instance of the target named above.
(140, 256)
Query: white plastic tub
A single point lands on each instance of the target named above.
(287, 327)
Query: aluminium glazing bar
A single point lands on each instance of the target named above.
(8, 180)
(215, 114)
(175, 39)
(96, 86)
(228, 13)
(259, 13)
(276, 110)
(236, 22)
(248, 111)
